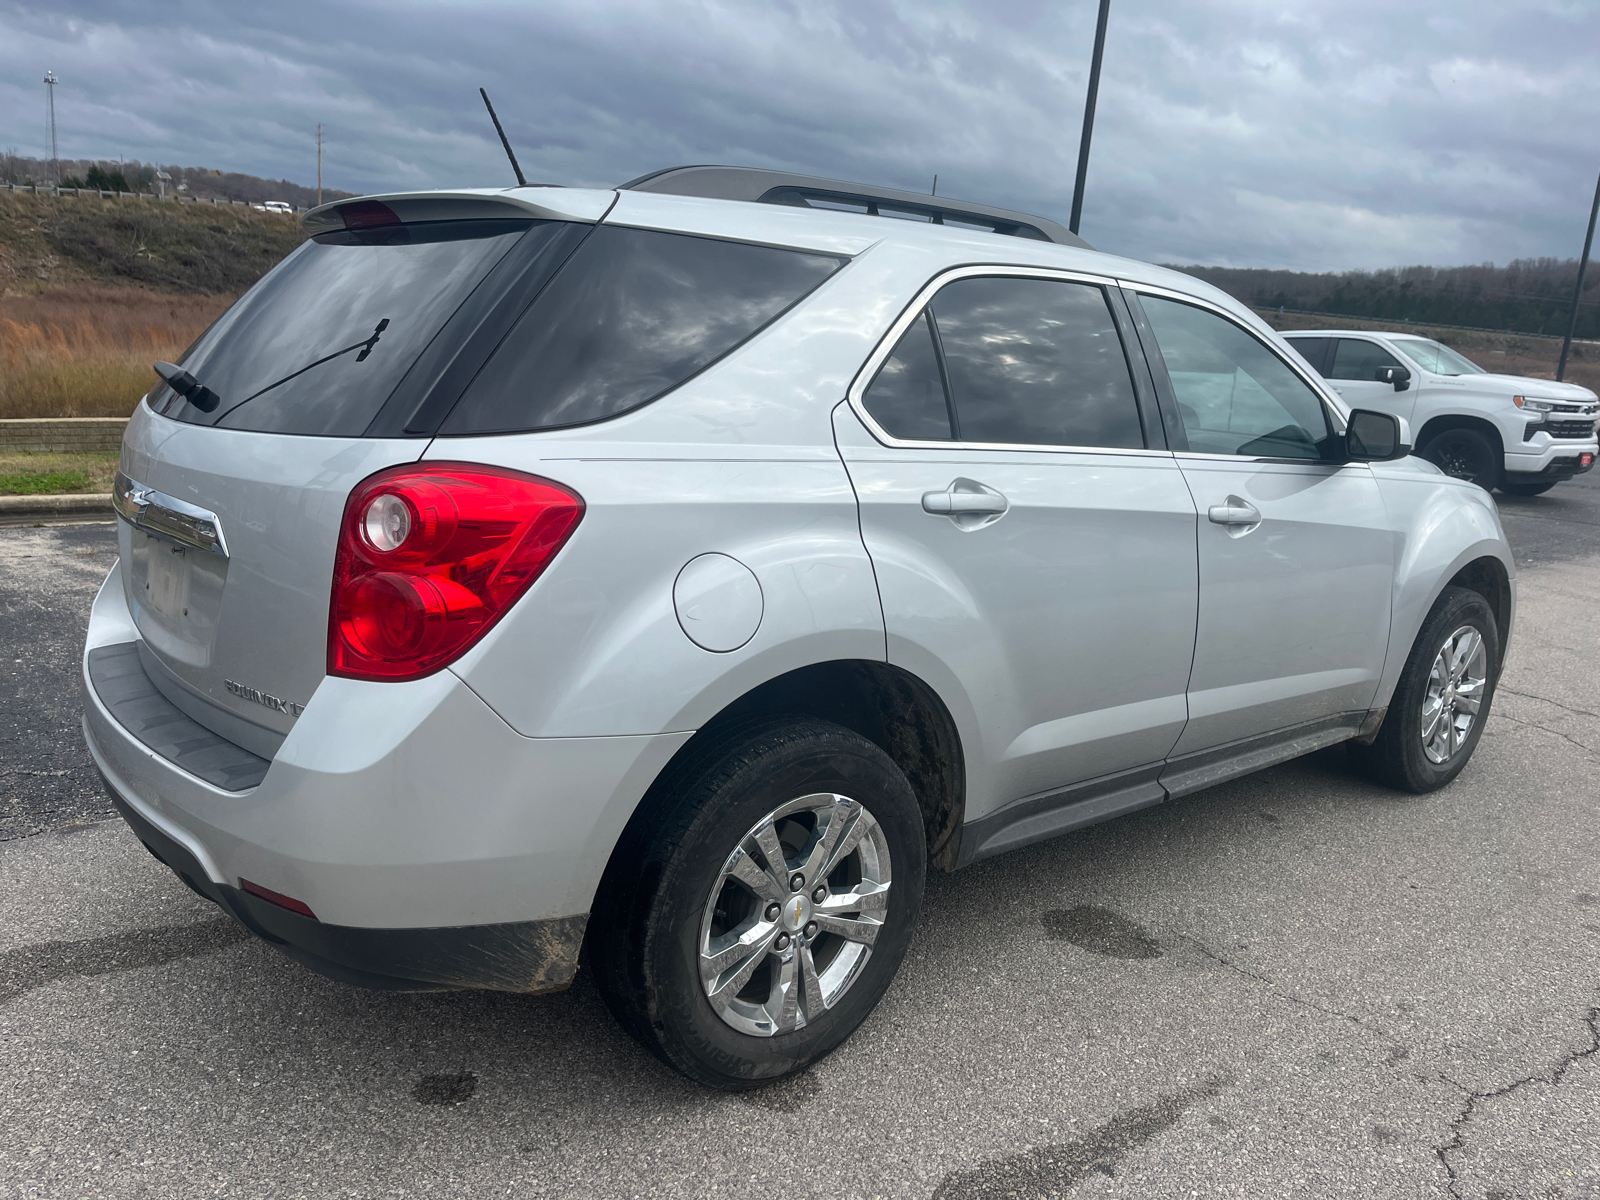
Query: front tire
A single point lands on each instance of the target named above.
(1466, 454)
(695, 946)
(1442, 701)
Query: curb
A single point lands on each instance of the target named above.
(73, 504)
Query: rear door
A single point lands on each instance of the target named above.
(1034, 547)
(1295, 550)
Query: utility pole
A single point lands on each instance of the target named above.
(319, 163)
(1577, 292)
(1088, 114)
(50, 121)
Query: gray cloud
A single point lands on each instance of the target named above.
(1244, 132)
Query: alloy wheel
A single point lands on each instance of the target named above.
(1454, 694)
(793, 914)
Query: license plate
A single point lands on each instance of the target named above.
(168, 582)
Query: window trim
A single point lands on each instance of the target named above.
(924, 296)
(1332, 406)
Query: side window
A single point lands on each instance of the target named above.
(630, 316)
(1235, 395)
(1035, 362)
(907, 396)
(1314, 351)
(1356, 359)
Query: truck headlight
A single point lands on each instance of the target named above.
(1533, 406)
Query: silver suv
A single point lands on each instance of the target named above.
(673, 574)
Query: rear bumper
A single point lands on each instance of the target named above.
(525, 956)
(435, 844)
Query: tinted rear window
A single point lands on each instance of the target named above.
(326, 301)
(1035, 362)
(631, 315)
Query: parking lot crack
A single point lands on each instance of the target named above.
(1582, 712)
(1587, 749)
(28, 967)
(1282, 993)
(1553, 1077)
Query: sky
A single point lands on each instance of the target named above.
(1302, 134)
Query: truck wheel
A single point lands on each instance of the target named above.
(1531, 488)
(758, 907)
(1466, 454)
(1442, 701)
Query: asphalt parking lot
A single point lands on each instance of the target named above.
(1295, 984)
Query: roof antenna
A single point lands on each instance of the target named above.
(935, 191)
(521, 182)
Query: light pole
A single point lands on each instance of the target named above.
(1088, 114)
(50, 122)
(1577, 292)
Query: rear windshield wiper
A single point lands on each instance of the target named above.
(203, 398)
(187, 386)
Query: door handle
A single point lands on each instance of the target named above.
(1240, 516)
(970, 504)
(945, 503)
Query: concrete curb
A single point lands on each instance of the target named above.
(72, 504)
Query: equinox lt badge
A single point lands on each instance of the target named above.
(273, 702)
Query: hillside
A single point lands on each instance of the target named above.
(1524, 296)
(202, 183)
(55, 241)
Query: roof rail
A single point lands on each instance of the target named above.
(809, 191)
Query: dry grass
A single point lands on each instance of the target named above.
(86, 351)
(34, 473)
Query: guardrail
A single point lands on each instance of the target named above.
(50, 189)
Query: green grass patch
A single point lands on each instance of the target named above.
(27, 473)
(55, 483)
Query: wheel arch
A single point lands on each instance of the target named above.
(890, 707)
(1487, 576)
(1436, 425)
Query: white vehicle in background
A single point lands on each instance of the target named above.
(1510, 432)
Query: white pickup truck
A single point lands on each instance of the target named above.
(1510, 432)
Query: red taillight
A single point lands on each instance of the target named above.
(430, 556)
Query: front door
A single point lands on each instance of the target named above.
(1355, 363)
(1035, 556)
(1296, 553)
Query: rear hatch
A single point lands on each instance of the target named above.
(340, 362)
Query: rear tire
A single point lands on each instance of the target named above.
(687, 903)
(1519, 488)
(1466, 454)
(1415, 732)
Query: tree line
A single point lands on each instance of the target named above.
(1527, 295)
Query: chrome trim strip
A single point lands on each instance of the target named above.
(869, 369)
(1314, 382)
(164, 516)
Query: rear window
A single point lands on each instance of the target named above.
(302, 352)
(631, 315)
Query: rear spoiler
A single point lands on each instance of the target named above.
(539, 201)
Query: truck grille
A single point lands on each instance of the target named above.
(1569, 429)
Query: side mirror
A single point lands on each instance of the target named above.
(1376, 436)
(1399, 376)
